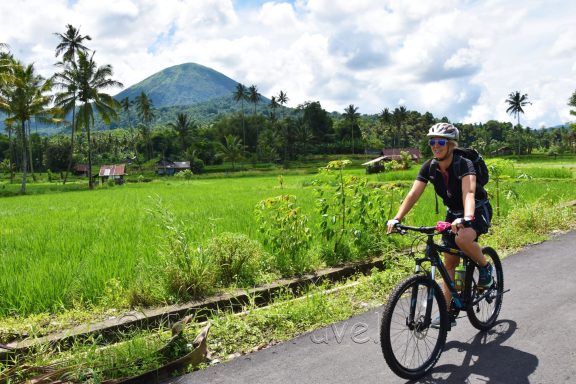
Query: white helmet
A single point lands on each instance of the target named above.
(446, 130)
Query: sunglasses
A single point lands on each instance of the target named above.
(441, 142)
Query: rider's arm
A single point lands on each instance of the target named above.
(411, 199)
(468, 193)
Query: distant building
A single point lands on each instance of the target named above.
(80, 170)
(502, 151)
(115, 172)
(394, 154)
(170, 168)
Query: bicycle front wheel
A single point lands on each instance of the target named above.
(484, 304)
(411, 347)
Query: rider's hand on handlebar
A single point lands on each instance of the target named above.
(461, 222)
(391, 224)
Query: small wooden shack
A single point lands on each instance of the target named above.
(170, 168)
(115, 172)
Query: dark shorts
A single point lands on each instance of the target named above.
(481, 223)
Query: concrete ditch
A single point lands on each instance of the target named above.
(108, 330)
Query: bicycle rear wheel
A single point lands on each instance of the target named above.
(410, 346)
(484, 304)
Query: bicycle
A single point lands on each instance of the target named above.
(411, 347)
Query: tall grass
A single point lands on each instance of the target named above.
(60, 250)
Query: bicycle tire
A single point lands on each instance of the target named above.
(484, 314)
(396, 337)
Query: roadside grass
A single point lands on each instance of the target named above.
(289, 315)
(61, 250)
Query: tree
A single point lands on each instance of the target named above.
(241, 95)
(231, 150)
(398, 116)
(183, 127)
(282, 99)
(572, 103)
(516, 102)
(273, 105)
(253, 96)
(71, 42)
(92, 81)
(351, 115)
(145, 111)
(24, 98)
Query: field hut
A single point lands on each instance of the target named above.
(115, 172)
(390, 154)
(80, 170)
(170, 168)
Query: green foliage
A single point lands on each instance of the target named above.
(197, 166)
(240, 260)
(352, 214)
(185, 174)
(185, 272)
(284, 230)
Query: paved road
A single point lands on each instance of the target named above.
(533, 342)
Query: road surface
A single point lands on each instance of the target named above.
(534, 340)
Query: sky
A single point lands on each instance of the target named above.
(458, 59)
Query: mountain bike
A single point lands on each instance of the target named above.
(410, 344)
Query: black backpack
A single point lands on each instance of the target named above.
(482, 175)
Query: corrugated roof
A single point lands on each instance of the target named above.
(112, 170)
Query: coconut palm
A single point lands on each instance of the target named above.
(572, 103)
(273, 105)
(183, 127)
(282, 99)
(145, 110)
(351, 115)
(24, 98)
(91, 82)
(241, 95)
(71, 42)
(253, 96)
(516, 102)
(231, 149)
(399, 116)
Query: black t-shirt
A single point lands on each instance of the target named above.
(451, 190)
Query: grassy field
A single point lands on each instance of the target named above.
(60, 249)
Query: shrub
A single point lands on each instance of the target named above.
(285, 232)
(197, 166)
(239, 259)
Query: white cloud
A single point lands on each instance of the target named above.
(458, 59)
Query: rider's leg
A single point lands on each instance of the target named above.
(450, 262)
(465, 241)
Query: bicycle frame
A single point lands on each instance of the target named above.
(432, 255)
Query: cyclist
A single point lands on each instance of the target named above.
(468, 208)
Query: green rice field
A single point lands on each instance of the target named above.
(61, 248)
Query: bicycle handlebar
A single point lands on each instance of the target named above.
(440, 227)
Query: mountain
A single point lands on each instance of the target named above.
(183, 84)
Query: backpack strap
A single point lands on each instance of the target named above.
(432, 176)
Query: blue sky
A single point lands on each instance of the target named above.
(458, 59)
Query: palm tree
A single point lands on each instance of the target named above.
(273, 105)
(183, 127)
(572, 103)
(232, 149)
(145, 110)
(253, 96)
(91, 82)
(282, 99)
(24, 98)
(516, 102)
(398, 116)
(351, 115)
(241, 95)
(71, 42)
